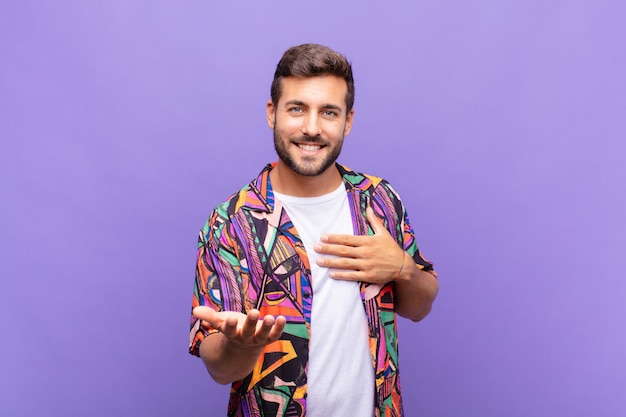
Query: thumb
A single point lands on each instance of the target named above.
(205, 313)
(375, 222)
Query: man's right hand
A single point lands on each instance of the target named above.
(231, 354)
(243, 331)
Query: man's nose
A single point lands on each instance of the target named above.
(311, 125)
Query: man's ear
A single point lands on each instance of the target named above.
(348, 126)
(270, 111)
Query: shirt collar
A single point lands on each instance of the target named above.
(259, 196)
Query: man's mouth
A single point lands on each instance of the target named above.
(311, 148)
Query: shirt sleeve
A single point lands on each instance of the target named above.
(217, 280)
(409, 242)
(410, 246)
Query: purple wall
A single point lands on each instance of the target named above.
(501, 123)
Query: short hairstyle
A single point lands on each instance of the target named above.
(311, 60)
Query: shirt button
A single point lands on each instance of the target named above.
(307, 294)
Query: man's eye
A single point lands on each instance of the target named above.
(330, 113)
(295, 109)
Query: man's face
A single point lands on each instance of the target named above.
(309, 122)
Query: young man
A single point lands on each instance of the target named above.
(300, 273)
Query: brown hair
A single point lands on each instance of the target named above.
(311, 60)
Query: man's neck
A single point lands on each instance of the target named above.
(286, 181)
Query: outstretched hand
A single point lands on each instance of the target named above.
(375, 259)
(243, 331)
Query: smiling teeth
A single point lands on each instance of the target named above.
(309, 147)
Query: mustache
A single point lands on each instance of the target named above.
(310, 139)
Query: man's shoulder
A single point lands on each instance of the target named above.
(364, 182)
(253, 195)
(227, 207)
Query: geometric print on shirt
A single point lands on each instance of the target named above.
(251, 256)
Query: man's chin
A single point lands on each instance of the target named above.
(307, 169)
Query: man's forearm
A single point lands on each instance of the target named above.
(226, 363)
(414, 291)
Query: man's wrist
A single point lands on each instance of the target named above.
(401, 266)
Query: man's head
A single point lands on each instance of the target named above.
(312, 60)
(310, 112)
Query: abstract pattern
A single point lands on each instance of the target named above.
(250, 256)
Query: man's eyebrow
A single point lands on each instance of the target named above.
(296, 102)
(333, 107)
(325, 106)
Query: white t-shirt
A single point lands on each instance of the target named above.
(340, 374)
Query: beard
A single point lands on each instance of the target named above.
(307, 166)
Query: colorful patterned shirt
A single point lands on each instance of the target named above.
(250, 256)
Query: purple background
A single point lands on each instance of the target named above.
(501, 123)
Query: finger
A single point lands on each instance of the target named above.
(209, 315)
(250, 323)
(339, 263)
(338, 239)
(230, 326)
(263, 329)
(375, 222)
(337, 250)
(277, 328)
(347, 275)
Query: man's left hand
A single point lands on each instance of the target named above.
(375, 259)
